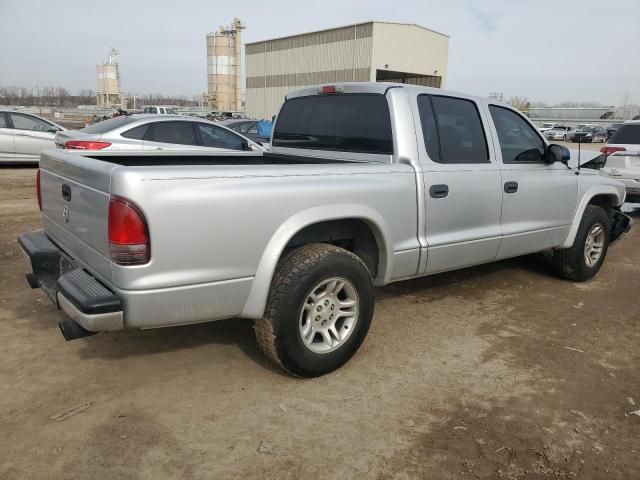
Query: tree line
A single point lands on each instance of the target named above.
(61, 97)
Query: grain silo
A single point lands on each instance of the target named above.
(224, 68)
(109, 91)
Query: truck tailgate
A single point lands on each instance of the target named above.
(75, 206)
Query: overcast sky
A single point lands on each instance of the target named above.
(546, 50)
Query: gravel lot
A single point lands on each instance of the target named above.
(499, 371)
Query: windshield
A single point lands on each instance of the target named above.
(358, 123)
(547, 125)
(107, 125)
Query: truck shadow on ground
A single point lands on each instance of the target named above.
(138, 343)
(239, 332)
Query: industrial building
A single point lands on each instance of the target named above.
(224, 68)
(109, 90)
(371, 51)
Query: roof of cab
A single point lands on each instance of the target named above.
(381, 88)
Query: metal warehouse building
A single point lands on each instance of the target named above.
(372, 51)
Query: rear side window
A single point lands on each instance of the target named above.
(3, 121)
(519, 141)
(173, 132)
(150, 110)
(137, 133)
(452, 130)
(627, 133)
(358, 123)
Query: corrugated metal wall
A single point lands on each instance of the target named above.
(276, 67)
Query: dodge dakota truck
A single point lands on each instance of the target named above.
(366, 184)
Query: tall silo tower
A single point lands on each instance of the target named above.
(109, 91)
(224, 68)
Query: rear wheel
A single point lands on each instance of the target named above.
(584, 258)
(318, 312)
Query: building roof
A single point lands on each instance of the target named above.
(346, 26)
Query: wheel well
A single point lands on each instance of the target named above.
(353, 234)
(604, 201)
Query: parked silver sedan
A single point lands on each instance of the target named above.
(23, 136)
(154, 132)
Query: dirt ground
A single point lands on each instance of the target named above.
(499, 371)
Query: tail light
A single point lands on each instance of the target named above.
(85, 145)
(38, 191)
(128, 233)
(610, 150)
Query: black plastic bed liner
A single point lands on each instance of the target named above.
(257, 159)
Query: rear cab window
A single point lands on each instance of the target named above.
(627, 133)
(356, 123)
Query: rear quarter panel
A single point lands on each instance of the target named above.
(215, 223)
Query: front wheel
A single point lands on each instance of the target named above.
(583, 259)
(318, 312)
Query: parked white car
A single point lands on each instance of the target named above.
(155, 132)
(558, 133)
(23, 136)
(548, 126)
(159, 110)
(623, 158)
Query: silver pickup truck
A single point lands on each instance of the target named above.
(366, 184)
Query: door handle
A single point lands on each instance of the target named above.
(510, 187)
(66, 192)
(439, 191)
(21, 134)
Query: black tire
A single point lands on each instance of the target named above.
(297, 273)
(570, 262)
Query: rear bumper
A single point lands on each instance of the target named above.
(71, 288)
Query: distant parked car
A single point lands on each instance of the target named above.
(159, 110)
(558, 133)
(588, 134)
(154, 132)
(623, 158)
(611, 129)
(548, 126)
(250, 129)
(23, 136)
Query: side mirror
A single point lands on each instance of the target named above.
(558, 153)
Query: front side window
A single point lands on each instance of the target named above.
(173, 132)
(216, 137)
(27, 122)
(3, 121)
(519, 141)
(452, 130)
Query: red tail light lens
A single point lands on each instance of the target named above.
(610, 150)
(128, 233)
(330, 90)
(85, 145)
(38, 191)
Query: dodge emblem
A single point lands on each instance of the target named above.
(65, 214)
